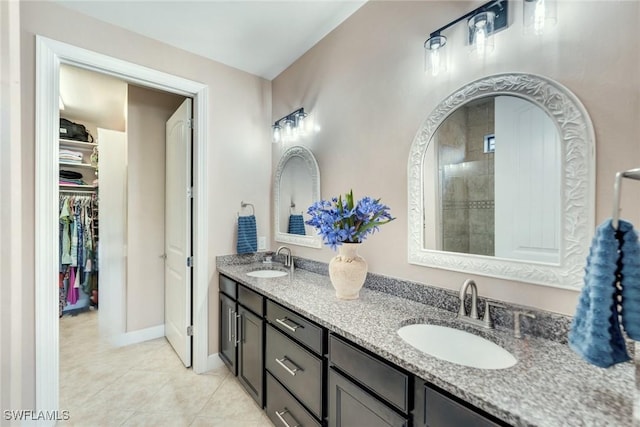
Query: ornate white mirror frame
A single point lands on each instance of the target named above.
(578, 180)
(311, 164)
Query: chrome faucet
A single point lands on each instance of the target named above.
(472, 317)
(288, 258)
(462, 312)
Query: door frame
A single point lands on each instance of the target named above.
(49, 55)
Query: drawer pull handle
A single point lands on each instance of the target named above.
(238, 338)
(280, 416)
(284, 323)
(229, 321)
(291, 371)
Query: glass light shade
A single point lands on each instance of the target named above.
(277, 134)
(538, 15)
(287, 129)
(301, 123)
(435, 57)
(480, 33)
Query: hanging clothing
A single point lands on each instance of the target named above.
(77, 248)
(65, 221)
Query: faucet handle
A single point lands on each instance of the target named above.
(488, 322)
(517, 332)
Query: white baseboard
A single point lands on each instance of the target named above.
(214, 362)
(141, 335)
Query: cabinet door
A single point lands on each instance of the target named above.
(227, 333)
(434, 409)
(350, 406)
(250, 356)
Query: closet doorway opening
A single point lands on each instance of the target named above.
(50, 56)
(118, 183)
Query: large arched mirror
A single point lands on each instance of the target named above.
(296, 186)
(501, 182)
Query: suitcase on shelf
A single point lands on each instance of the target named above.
(74, 131)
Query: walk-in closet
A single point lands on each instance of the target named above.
(112, 221)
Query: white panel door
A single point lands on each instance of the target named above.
(177, 298)
(527, 182)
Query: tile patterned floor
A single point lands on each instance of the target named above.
(143, 385)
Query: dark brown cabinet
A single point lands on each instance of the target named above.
(227, 335)
(302, 376)
(295, 367)
(299, 370)
(242, 335)
(250, 359)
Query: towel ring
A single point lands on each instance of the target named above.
(632, 174)
(292, 208)
(244, 205)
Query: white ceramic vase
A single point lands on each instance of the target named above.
(347, 271)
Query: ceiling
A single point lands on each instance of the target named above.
(260, 37)
(93, 98)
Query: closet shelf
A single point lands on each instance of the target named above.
(77, 144)
(78, 187)
(78, 165)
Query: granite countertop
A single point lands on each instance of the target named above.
(549, 386)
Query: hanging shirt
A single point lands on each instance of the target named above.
(65, 220)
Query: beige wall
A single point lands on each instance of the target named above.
(147, 113)
(239, 116)
(364, 85)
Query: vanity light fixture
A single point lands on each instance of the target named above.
(289, 127)
(482, 23)
(538, 15)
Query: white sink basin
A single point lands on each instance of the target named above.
(456, 346)
(267, 273)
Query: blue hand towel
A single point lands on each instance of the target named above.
(296, 225)
(630, 279)
(247, 236)
(595, 331)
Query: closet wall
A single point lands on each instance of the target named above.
(147, 113)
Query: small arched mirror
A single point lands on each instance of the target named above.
(296, 186)
(501, 182)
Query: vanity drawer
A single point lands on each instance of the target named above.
(251, 299)
(295, 326)
(228, 286)
(385, 380)
(297, 369)
(281, 405)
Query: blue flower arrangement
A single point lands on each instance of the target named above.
(343, 221)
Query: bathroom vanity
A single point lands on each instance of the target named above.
(342, 363)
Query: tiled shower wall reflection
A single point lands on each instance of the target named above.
(467, 175)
